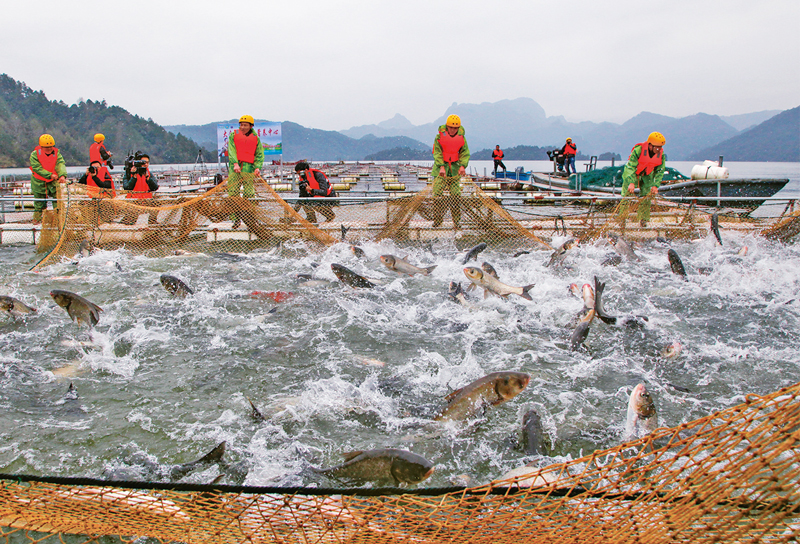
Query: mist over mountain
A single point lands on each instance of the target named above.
(776, 140)
(522, 121)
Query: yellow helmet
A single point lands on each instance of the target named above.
(247, 119)
(45, 140)
(569, 139)
(99, 137)
(453, 121)
(656, 138)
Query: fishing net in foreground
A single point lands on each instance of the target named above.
(729, 477)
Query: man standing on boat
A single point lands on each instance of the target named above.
(99, 153)
(245, 159)
(644, 171)
(569, 151)
(47, 168)
(497, 157)
(450, 160)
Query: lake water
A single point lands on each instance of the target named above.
(336, 369)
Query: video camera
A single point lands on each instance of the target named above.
(554, 154)
(135, 162)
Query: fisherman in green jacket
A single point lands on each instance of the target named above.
(644, 171)
(47, 168)
(245, 156)
(450, 160)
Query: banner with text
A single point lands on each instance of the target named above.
(269, 133)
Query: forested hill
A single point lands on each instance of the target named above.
(26, 114)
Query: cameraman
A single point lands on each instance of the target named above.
(138, 179)
(99, 181)
(141, 185)
(313, 183)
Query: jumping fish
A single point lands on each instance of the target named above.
(598, 303)
(532, 433)
(85, 248)
(457, 294)
(78, 308)
(175, 286)
(715, 226)
(473, 253)
(560, 254)
(491, 284)
(642, 418)
(357, 251)
(675, 263)
(612, 259)
(622, 247)
(672, 351)
(381, 466)
(350, 278)
(402, 266)
(581, 331)
(344, 232)
(141, 467)
(587, 294)
(14, 307)
(492, 390)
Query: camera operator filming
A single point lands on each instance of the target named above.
(99, 181)
(140, 183)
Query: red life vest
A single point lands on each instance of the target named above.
(94, 190)
(570, 149)
(314, 184)
(497, 154)
(94, 153)
(451, 146)
(48, 162)
(647, 163)
(245, 146)
(141, 189)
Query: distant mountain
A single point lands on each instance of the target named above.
(522, 121)
(748, 120)
(26, 114)
(775, 140)
(300, 142)
(401, 154)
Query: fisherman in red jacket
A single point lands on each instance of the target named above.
(47, 167)
(98, 152)
(569, 151)
(497, 156)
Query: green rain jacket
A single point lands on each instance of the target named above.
(438, 159)
(645, 181)
(36, 166)
(247, 168)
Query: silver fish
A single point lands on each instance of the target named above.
(642, 418)
(598, 303)
(175, 286)
(473, 253)
(457, 294)
(532, 433)
(560, 254)
(79, 309)
(14, 307)
(675, 263)
(402, 266)
(715, 226)
(492, 390)
(381, 466)
(581, 331)
(491, 284)
(350, 278)
(622, 247)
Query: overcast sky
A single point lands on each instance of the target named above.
(336, 64)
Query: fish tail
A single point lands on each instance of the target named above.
(525, 293)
